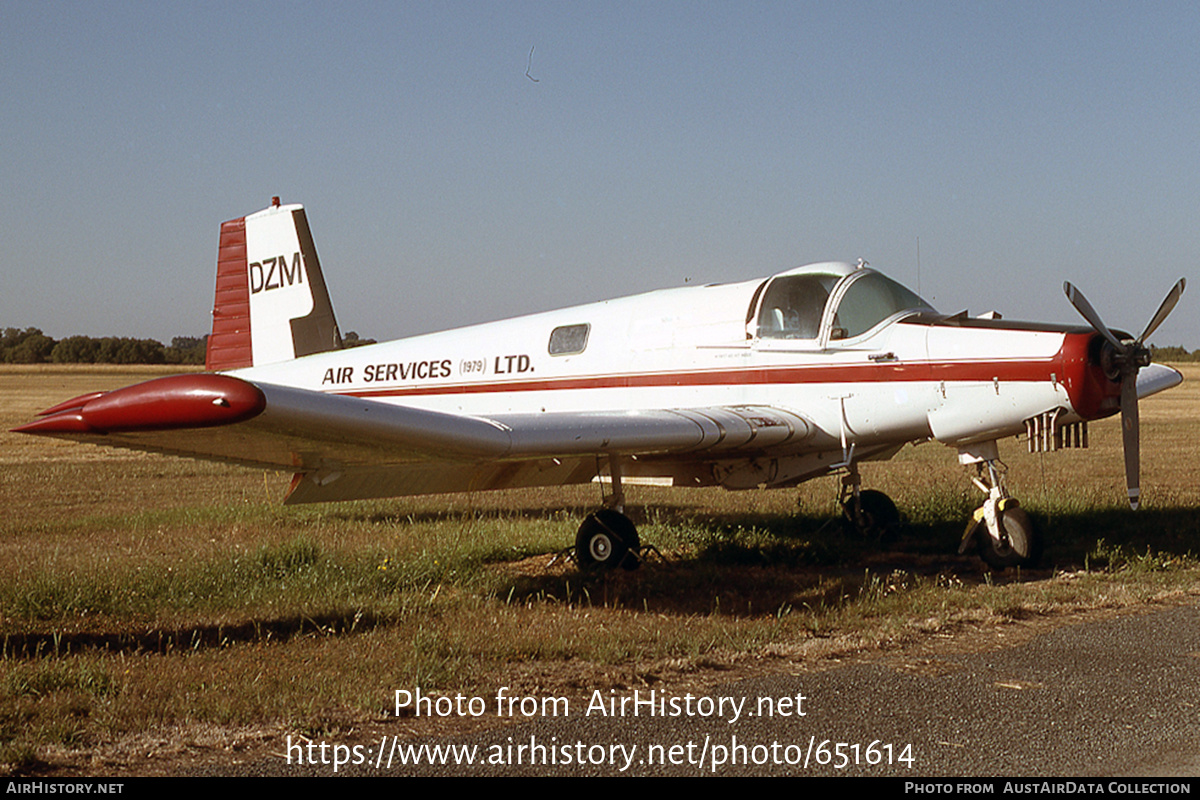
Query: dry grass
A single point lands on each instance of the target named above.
(147, 593)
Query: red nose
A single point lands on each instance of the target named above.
(1092, 383)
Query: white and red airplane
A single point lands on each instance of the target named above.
(769, 382)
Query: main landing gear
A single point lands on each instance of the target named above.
(867, 513)
(1000, 529)
(607, 538)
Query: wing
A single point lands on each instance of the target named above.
(344, 448)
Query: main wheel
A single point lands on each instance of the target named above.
(877, 517)
(1024, 545)
(607, 539)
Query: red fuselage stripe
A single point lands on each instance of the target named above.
(1030, 370)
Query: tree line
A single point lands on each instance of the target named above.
(31, 346)
(1173, 353)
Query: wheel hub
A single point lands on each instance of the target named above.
(600, 547)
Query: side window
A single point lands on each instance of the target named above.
(793, 305)
(569, 340)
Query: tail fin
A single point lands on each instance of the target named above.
(271, 303)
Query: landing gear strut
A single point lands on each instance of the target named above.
(1001, 530)
(607, 538)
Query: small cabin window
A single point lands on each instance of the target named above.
(569, 340)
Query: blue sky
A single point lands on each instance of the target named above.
(1023, 143)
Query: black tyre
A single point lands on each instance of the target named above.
(1024, 545)
(877, 517)
(607, 539)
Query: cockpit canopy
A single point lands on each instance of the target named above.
(829, 302)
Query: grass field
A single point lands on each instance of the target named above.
(157, 610)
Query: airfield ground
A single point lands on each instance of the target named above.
(160, 613)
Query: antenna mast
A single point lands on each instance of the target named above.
(918, 266)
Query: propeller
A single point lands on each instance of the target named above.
(1127, 358)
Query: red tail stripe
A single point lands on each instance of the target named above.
(229, 345)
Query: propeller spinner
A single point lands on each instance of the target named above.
(1128, 357)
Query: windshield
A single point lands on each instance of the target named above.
(794, 306)
(868, 301)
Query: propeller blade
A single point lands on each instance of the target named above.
(1129, 436)
(1167, 306)
(1085, 308)
(1131, 357)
